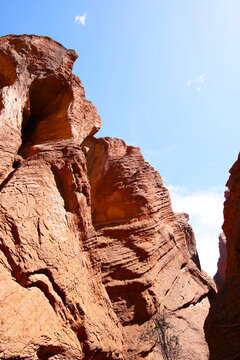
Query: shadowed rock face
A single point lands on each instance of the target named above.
(222, 325)
(90, 247)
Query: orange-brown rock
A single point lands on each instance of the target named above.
(145, 258)
(223, 323)
(90, 247)
(182, 219)
(219, 277)
(52, 298)
(41, 100)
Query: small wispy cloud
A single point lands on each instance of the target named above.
(201, 78)
(153, 155)
(197, 82)
(171, 148)
(80, 19)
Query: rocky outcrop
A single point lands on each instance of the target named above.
(219, 277)
(182, 219)
(223, 322)
(41, 100)
(90, 247)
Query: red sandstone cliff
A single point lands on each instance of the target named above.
(90, 247)
(223, 322)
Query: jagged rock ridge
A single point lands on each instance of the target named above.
(90, 247)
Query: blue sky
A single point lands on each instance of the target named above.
(164, 76)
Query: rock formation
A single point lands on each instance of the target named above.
(219, 277)
(223, 322)
(182, 219)
(90, 247)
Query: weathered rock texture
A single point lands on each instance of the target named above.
(90, 247)
(182, 219)
(223, 323)
(219, 277)
(40, 99)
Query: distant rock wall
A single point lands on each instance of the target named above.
(182, 219)
(90, 246)
(219, 277)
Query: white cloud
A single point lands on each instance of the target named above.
(197, 82)
(201, 78)
(171, 148)
(205, 209)
(80, 19)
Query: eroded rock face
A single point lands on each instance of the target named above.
(146, 261)
(40, 99)
(219, 277)
(222, 324)
(182, 219)
(90, 247)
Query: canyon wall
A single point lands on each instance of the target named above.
(223, 322)
(90, 247)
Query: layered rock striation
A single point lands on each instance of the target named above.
(223, 322)
(90, 246)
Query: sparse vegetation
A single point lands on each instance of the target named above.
(160, 331)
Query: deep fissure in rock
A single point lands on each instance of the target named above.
(45, 352)
(45, 115)
(7, 70)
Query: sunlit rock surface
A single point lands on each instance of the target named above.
(90, 246)
(182, 219)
